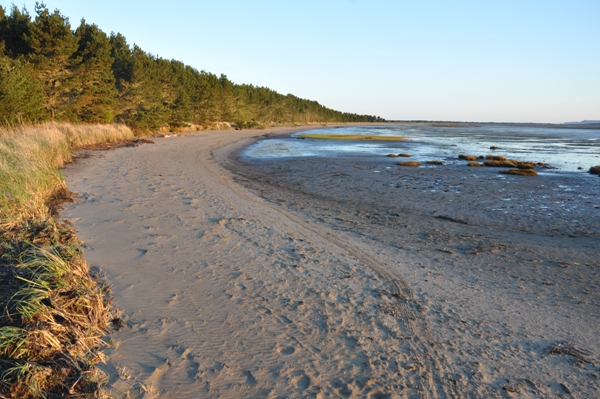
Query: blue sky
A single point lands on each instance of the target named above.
(511, 61)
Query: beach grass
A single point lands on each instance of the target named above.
(30, 159)
(349, 137)
(54, 313)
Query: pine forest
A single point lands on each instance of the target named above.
(48, 71)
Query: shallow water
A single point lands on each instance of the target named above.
(565, 149)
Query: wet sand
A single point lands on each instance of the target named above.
(323, 278)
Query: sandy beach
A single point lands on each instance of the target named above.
(351, 278)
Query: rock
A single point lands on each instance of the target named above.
(474, 163)
(404, 155)
(393, 155)
(434, 163)
(595, 170)
(409, 163)
(494, 148)
(467, 157)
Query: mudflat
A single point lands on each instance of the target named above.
(347, 277)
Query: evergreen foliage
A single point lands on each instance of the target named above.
(48, 71)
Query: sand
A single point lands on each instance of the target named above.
(339, 278)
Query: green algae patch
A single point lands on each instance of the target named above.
(349, 137)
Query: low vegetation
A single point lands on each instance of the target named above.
(53, 313)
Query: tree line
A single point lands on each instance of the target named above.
(48, 71)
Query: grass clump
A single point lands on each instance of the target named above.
(52, 327)
(53, 313)
(349, 137)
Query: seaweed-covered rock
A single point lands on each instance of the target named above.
(495, 157)
(498, 163)
(595, 170)
(467, 157)
(520, 172)
(409, 163)
(524, 166)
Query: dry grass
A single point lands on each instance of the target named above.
(30, 158)
(409, 163)
(54, 313)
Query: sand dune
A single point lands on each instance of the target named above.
(233, 286)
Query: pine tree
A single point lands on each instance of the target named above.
(14, 29)
(123, 60)
(141, 99)
(21, 96)
(93, 89)
(53, 43)
(181, 113)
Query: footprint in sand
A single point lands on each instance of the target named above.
(288, 350)
(250, 380)
(301, 381)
